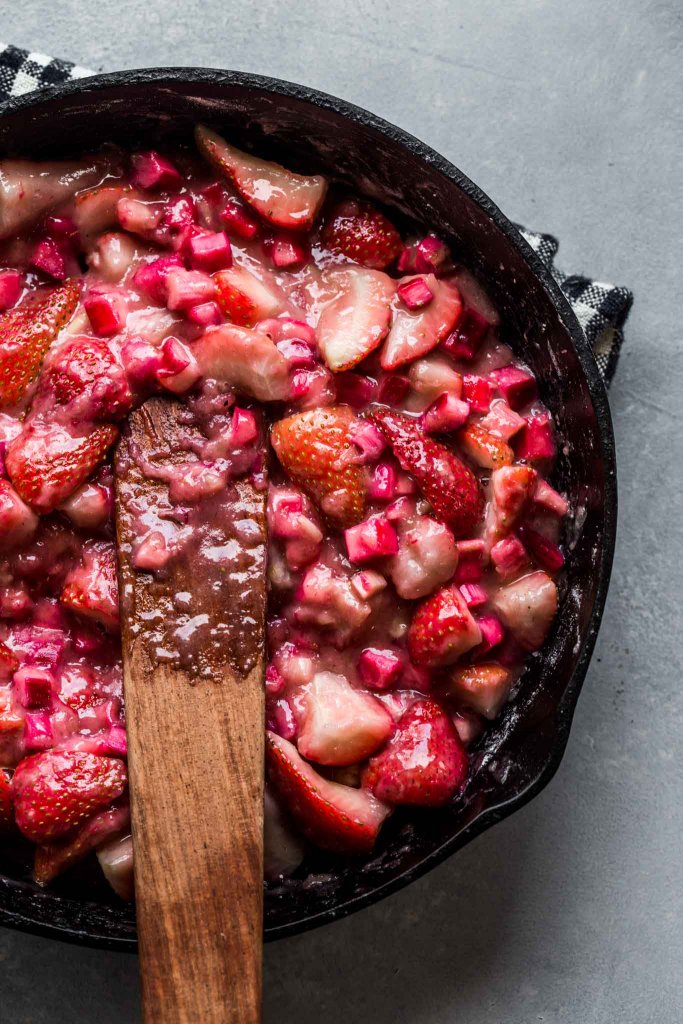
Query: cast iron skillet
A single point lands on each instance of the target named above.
(311, 131)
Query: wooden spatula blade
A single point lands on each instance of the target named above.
(193, 652)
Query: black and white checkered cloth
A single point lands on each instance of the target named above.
(601, 308)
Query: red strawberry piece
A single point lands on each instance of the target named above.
(310, 446)
(86, 374)
(442, 629)
(6, 804)
(46, 462)
(487, 450)
(8, 662)
(355, 321)
(513, 488)
(416, 332)
(56, 791)
(52, 860)
(363, 234)
(447, 483)
(244, 299)
(26, 333)
(483, 687)
(282, 197)
(91, 588)
(423, 763)
(333, 816)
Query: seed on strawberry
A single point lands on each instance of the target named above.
(423, 763)
(26, 333)
(485, 449)
(442, 629)
(86, 374)
(310, 446)
(53, 859)
(363, 234)
(448, 484)
(46, 462)
(55, 791)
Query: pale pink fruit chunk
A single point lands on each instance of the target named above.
(282, 197)
(96, 209)
(427, 557)
(528, 607)
(246, 359)
(341, 725)
(483, 687)
(327, 598)
(28, 189)
(116, 861)
(414, 333)
(17, 522)
(356, 320)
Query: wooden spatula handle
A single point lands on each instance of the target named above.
(198, 898)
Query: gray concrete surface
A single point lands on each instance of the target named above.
(569, 116)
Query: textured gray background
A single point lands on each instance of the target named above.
(567, 114)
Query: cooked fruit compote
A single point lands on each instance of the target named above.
(413, 535)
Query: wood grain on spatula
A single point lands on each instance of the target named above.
(193, 656)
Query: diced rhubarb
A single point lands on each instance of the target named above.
(547, 498)
(477, 391)
(280, 718)
(239, 220)
(502, 421)
(445, 414)
(379, 669)
(341, 725)
(393, 388)
(178, 369)
(355, 390)
(492, 633)
(463, 343)
(152, 277)
(368, 440)
(106, 311)
(186, 288)
(33, 686)
(429, 255)
(37, 731)
(471, 557)
(286, 250)
(11, 287)
(297, 352)
(373, 538)
(545, 552)
(205, 314)
(151, 171)
(383, 482)
(516, 384)
(474, 594)
(509, 557)
(415, 293)
(210, 251)
(536, 441)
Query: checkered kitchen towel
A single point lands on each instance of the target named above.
(601, 308)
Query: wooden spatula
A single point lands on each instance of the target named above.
(193, 659)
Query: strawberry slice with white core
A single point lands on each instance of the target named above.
(246, 359)
(442, 629)
(415, 332)
(528, 607)
(26, 333)
(341, 725)
(91, 588)
(424, 762)
(245, 299)
(46, 462)
(354, 323)
(280, 196)
(333, 816)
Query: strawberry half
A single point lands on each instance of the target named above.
(46, 462)
(353, 324)
(245, 299)
(26, 333)
(310, 446)
(55, 791)
(416, 332)
(6, 804)
(52, 860)
(447, 483)
(91, 588)
(362, 234)
(86, 375)
(442, 629)
(282, 197)
(423, 763)
(332, 816)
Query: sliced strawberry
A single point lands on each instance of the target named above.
(244, 299)
(96, 209)
(333, 816)
(363, 234)
(116, 861)
(416, 332)
(487, 450)
(284, 198)
(513, 488)
(448, 484)
(424, 762)
(246, 359)
(310, 446)
(55, 791)
(26, 333)
(91, 588)
(86, 375)
(341, 725)
(46, 462)
(52, 860)
(8, 662)
(528, 607)
(442, 629)
(353, 324)
(6, 804)
(483, 687)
